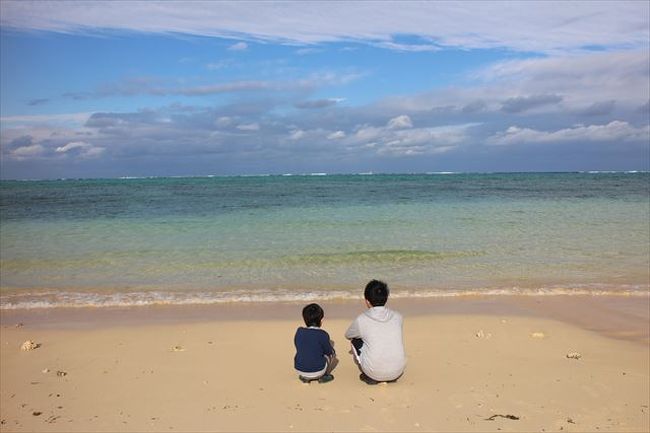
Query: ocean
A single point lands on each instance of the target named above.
(203, 240)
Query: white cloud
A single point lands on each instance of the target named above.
(63, 118)
(336, 135)
(239, 46)
(86, 150)
(368, 133)
(296, 134)
(400, 122)
(26, 152)
(306, 51)
(73, 145)
(318, 103)
(562, 84)
(223, 121)
(521, 26)
(580, 79)
(397, 149)
(424, 141)
(389, 141)
(416, 48)
(615, 131)
(41, 132)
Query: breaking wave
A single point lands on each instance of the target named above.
(70, 299)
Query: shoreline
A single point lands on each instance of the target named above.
(619, 317)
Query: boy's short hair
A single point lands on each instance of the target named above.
(313, 315)
(376, 293)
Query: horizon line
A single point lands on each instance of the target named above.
(317, 174)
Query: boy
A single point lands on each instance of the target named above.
(376, 337)
(315, 357)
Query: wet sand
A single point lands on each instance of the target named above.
(622, 317)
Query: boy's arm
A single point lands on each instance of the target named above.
(328, 349)
(353, 331)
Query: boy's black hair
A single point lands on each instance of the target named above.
(376, 293)
(313, 315)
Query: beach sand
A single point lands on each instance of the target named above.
(468, 370)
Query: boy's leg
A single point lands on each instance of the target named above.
(357, 344)
(324, 375)
(332, 362)
(308, 377)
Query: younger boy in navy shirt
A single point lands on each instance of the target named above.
(315, 357)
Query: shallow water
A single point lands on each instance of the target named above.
(224, 239)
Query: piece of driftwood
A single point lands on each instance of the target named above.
(498, 415)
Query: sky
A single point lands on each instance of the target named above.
(111, 89)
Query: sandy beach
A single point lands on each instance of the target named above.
(467, 370)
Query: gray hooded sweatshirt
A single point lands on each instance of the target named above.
(382, 355)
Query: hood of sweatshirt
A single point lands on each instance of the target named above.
(380, 314)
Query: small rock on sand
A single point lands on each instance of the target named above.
(573, 355)
(178, 349)
(29, 345)
(45, 370)
(61, 373)
(538, 335)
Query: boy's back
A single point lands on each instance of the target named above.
(382, 357)
(311, 345)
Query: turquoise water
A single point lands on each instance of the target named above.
(228, 239)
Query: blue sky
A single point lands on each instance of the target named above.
(106, 89)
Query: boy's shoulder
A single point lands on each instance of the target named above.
(384, 315)
(311, 330)
(396, 314)
(385, 310)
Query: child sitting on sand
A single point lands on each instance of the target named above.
(376, 337)
(315, 357)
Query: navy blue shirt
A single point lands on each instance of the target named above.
(312, 344)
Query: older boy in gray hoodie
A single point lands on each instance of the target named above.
(376, 337)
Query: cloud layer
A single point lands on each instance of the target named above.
(514, 105)
(613, 132)
(521, 26)
(582, 101)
